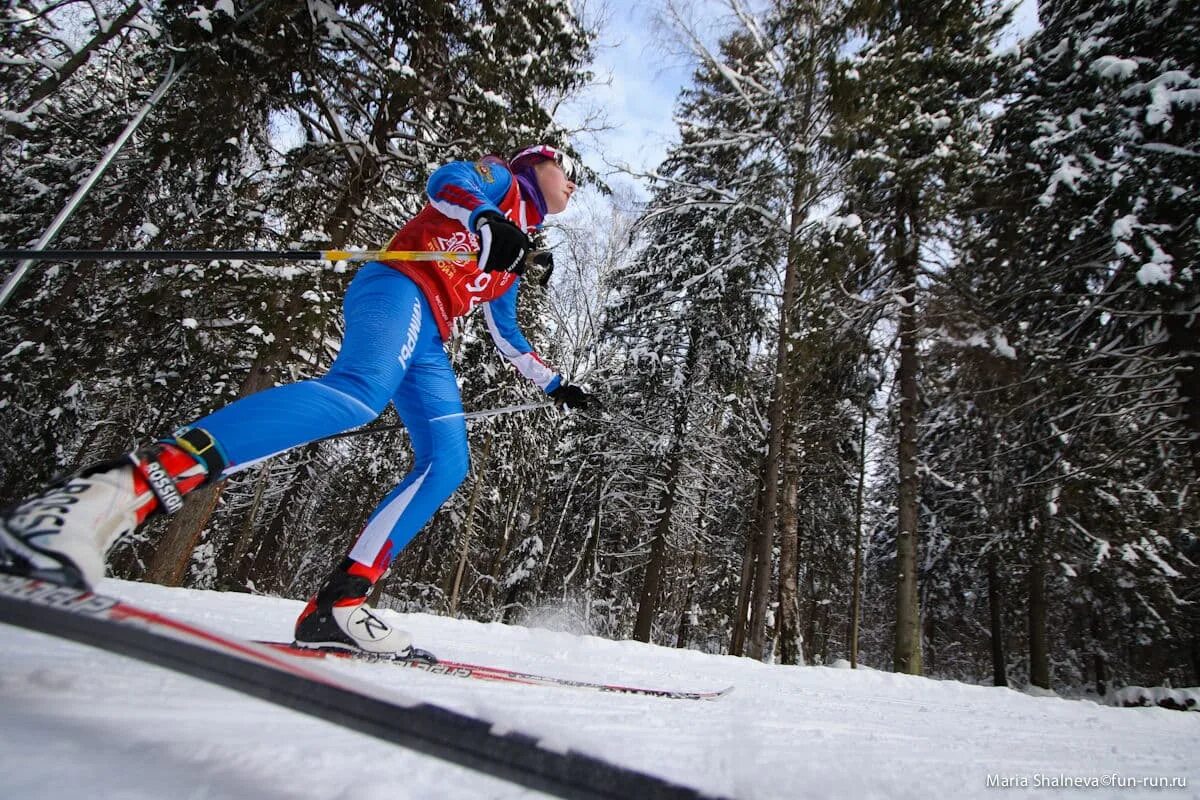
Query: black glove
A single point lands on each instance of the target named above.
(570, 396)
(502, 245)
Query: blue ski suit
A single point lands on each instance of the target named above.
(393, 351)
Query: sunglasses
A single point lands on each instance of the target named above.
(569, 167)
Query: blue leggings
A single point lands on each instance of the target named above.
(391, 351)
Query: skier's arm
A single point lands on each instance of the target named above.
(501, 316)
(463, 190)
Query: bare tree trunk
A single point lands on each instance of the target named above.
(236, 575)
(996, 607)
(169, 564)
(469, 527)
(685, 619)
(737, 643)
(790, 639)
(856, 585)
(648, 601)
(1039, 651)
(805, 55)
(908, 614)
(776, 424)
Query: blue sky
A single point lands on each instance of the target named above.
(638, 77)
(640, 72)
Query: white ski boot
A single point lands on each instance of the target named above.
(63, 534)
(337, 617)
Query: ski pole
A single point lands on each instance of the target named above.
(174, 71)
(497, 412)
(490, 412)
(235, 255)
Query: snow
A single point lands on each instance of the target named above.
(1069, 172)
(1159, 110)
(495, 99)
(202, 15)
(836, 223)
(1123, 228)
(1153, 272)
(78, 722)
(1114, 68)
(16, 351)
(15, 117)
(1003, 348)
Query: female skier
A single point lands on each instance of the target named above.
(398, 316)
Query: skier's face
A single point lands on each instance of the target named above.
(556, 187)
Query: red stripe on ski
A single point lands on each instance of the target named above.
(252, 650)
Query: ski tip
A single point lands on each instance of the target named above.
(716, 694)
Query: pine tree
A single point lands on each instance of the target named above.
(685, 315)
(906, 107)
(1081, 265)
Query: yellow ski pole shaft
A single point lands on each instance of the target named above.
(396, 255)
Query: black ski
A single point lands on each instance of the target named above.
(264, 672)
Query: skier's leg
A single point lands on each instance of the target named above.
(63, 533)
(429, 404)
(383, 311)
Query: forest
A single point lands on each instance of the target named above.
(897, 347)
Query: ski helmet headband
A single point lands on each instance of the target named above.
(544, 152)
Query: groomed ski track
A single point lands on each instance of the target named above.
(78, 722)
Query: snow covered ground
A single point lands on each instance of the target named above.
(79, 723)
